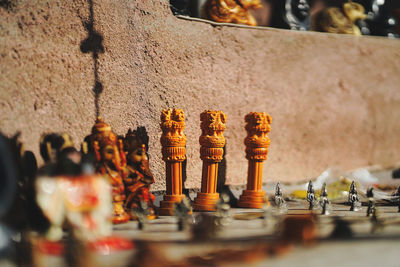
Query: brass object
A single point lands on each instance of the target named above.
(257, 143)
(212, 142)
(173, 142)
(342, 20)
(231, 11)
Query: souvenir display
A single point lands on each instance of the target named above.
(258, 125)
(110, 162)
(212, 142)
(311, 198)
(173, 142)
(231, 11)
(342, 20)
(139, 177)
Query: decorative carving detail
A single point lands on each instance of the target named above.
(212, 139)
(173, 140)
(257, 141)
(231, 11)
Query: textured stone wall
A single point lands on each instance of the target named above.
(335, 100)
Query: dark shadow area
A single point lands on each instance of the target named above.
(93, 44)
(221, 180)
(185, 190)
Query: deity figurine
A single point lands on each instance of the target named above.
(311, 198)
(231, 11)
(341, 20)
(139, 177)
(291, 14)
(110, 162)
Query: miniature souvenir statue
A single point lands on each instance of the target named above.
(231, 11)
(324, 201)
(182, 211)
(354, 199)
(110, 162)
(371, 202)
(212, 142)
(83, 200)
(336, 20)
(223, 208)
(142, 212)
(291, 14)
(278, 199)
(258, 125)
(311, 198)
(173, 142)
(139, 177)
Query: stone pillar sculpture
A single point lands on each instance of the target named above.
(257, 143)
(212, 142)
(173, 142)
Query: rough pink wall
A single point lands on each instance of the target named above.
(334, 99)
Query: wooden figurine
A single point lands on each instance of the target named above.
(257, 143)
(111, 162)
(212, 142)
(173, 142)
(139, 177)
(231, 11)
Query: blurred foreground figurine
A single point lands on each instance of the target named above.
(182, 211)
(371, 202)
(173, 142)
(139, 177)
(84, 201)
(258, 125)
(278, 199)
(231, 11)
(223, 208)
(311, 198)
(324, 201)
(336, 20)
(354, 199)
(110, 162)
(212, 143)
(291, 14)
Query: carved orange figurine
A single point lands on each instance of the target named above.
(257, 143)
(231, 11)
(173, 142)
(212, 142)
(111, 162)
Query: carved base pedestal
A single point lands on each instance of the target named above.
(119, 216)
(252, 199)
(167, 205)
(205, 201)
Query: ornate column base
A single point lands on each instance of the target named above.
(205, 201)
(167, 205)
(252, 199)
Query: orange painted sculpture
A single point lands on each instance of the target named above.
(231, 11)
(139, 177)
(111, 162)
(212, 142)
(173, 142)
(257, 143)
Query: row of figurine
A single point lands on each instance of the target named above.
(110, 176)
(366, 17)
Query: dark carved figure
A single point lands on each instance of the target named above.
(311, 198)
(354, 199)
(139, 177)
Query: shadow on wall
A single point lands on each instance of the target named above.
(93, 44)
